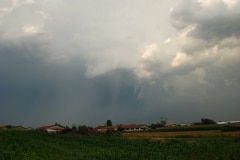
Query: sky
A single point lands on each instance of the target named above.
(84, 62)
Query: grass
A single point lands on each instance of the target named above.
(26, 145)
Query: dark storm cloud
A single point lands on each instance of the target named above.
(116, 88)
(212, 23)
(33, 87)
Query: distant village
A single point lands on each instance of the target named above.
(108, 127)
(58, 128)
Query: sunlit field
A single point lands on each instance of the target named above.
(181, 134)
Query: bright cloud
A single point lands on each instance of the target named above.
(182, 59)
(30, 29)
(229, 3)
(169, 40)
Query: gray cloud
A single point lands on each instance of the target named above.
(194, 77)
(212, 22)
(34, 88)
(209, 33)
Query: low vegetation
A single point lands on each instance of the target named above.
(206, 127)
(33, 145)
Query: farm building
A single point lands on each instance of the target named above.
(56, 128)
(103, 128)
(228, 122)
(133, 127)
(171, 124)
(123, 127)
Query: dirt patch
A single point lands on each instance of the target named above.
(184, 134)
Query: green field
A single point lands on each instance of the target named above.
(33, 145)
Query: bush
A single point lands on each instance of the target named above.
(111, 132)
(66, 130)
(229, 128)
(82, 130)
(156, 125)
(207, 121)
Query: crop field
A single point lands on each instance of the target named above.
(33, 145)
(162, 136)
(195, 131)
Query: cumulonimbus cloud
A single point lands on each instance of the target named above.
(66, 61)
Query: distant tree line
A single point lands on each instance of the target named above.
(82, 129)
(159, 125)
(205, 121)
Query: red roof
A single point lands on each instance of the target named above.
(131, 125)
(53, 127)
(121, 125)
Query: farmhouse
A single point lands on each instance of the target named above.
(171, 124)
(123, 127)
(104, 128)
(222, 122)
(228, 122)
(56, 128)
(133, 127)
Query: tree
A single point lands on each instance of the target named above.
(109, 123)
(120, 128)
(82, 129)
(74, 127)
(9, 126)
(156, 125)
(207, 121)
(164, 121)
